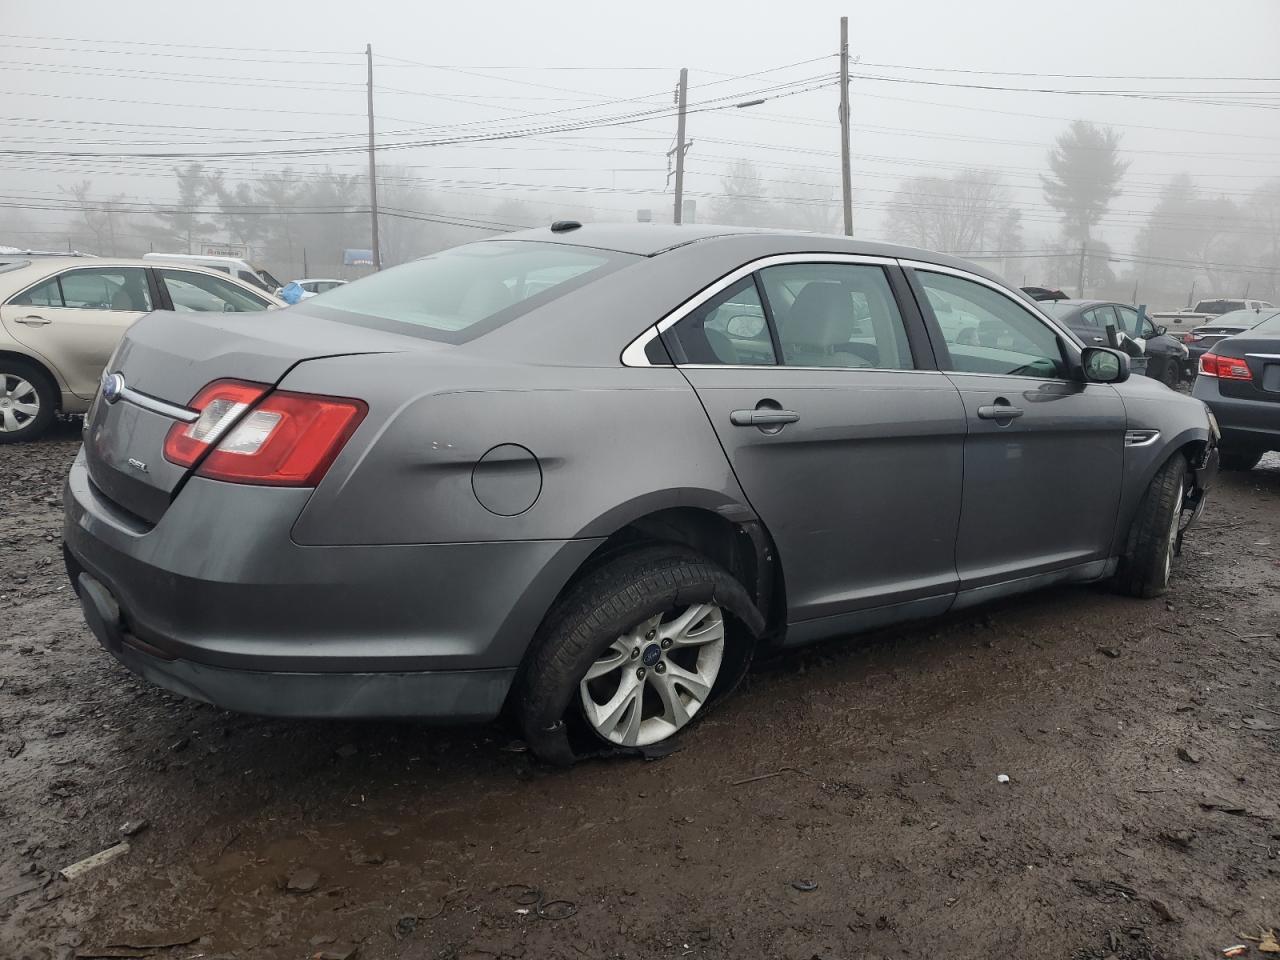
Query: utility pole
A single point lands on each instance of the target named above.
(373, 167)
(1080, 282)
(846, 182)
(682, 97)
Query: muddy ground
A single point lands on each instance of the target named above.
(845, 804)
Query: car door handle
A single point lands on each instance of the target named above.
(762, 418)
(999, 411)
(32, 321)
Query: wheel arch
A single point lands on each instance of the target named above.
(1191, 443)
(42, 367)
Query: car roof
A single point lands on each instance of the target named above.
(654, 239)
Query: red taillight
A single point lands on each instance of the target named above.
(1224, 368)
(221, 404)
(1190, 337)
(286, 440)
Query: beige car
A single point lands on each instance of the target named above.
(61, 318)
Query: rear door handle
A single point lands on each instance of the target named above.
(999, 411)
(762, 418)
(32, 321)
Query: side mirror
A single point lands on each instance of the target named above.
(1161, 331)
(1104, 365)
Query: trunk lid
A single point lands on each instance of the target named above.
(167, 358)
(1262, 354)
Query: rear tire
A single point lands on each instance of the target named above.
(580, 692)
(1238, 459)
(28, 401)
(1148, 563)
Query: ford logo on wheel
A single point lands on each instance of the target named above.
(112, 387)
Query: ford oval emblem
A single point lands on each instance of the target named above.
(112, 387)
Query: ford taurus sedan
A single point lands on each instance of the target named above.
(581, 474)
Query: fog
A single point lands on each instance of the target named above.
(144, 126)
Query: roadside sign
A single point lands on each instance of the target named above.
(238, 250)
(357, 258)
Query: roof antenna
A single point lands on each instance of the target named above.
(564, 226)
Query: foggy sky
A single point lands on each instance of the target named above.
(899, 129)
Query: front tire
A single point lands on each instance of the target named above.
(1153, 538)
(632, 654)
(1237, 459)
(28, 401)
(1169, 375)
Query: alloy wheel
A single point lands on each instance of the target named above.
(651, 681)
(19, 402)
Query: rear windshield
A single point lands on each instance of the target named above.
(1219, 306)
(458, 294)
(1055, 309)
(1269, 325)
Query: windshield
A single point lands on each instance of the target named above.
(466, 291)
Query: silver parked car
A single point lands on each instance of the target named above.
(585, 472)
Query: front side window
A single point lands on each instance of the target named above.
(1129, 323)
(46, 294)
(730, 328)
(1009, 339)
(200, 293)
(463, 292)
(106, 288)
(836, 315)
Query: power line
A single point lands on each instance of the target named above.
(1057, 76)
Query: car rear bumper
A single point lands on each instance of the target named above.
(217, 602)
(1244, 423)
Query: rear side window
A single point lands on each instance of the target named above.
(107, 288)
(461, 293)
(836, 315)
(45, 294)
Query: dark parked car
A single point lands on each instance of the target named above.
(1240, 381)
(585, 472)
(1208, 335)
(1088, 319)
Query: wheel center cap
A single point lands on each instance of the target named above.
(651, 655)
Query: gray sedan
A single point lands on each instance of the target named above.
(584, 473)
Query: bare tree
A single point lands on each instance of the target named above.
(744, 201)
(964, 213)
(98, 217)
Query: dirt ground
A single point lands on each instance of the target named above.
(844, 804)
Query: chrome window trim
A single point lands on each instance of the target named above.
(170, 410)
(634, 356)
(1264, 356)
(787, 366)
